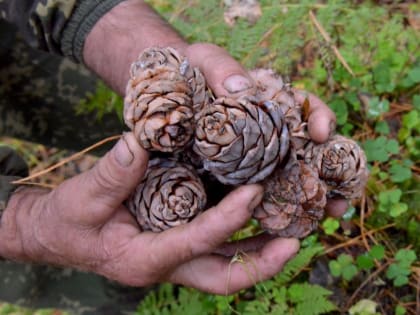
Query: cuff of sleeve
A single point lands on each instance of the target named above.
(12, 167)
(84, 17)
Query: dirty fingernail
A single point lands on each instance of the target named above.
(122, 153)
(236, 83)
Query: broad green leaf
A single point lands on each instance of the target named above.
(365, 262)
(382, 127)
(330, 225)
(398, 209)
(377, 107)
(392, 146)
(340, 109)
(375, 149)
(335, 268)
(400, 280)
(394, 195)
(377, 252)
(399, 173)
(349, 272)
(414, 75)
(411, 119)
(400, 310)
(406, 255)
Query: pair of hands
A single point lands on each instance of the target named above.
(84, 224)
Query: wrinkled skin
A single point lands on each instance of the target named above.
(82, 223)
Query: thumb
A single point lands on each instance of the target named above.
(94, 195)
(224, 75)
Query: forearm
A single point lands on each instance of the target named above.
(119, 36)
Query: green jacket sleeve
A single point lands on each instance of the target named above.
(12, 167)
(58, 26)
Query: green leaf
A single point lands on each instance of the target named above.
(394, 195)
(400, 310)
(392, 146)
(392, 271)
(375, 149)
(377, 252)
(411, 119)
(400, 280)
(345, 260)
(340, 109)
(414, 75)
(399, 173)
(406, 255)
(365, 262)
(335, 268)
(398, 209)
(330, 225)
(382, 127)
(349, 272)
(377, 107)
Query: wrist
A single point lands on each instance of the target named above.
(17, 225)
(121, 35)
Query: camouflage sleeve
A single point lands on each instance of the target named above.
(58, 26)
(12, 167)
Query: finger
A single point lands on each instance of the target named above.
(321, 121)
(208, 230)
(221, 275)
(94, 195)
(224, 75)
(336, 207)
(253, 243)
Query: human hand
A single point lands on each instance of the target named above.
(226, 77)
(84, 224)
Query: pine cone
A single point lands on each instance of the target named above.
(241, 141)
(270, 86)
(161, 96)
(342, 164)
(293, 202)
(171, 194)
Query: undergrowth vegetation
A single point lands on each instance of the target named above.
(363, 59)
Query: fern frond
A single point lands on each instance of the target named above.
(295, 265)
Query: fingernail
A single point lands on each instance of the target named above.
(293, 246)
(256, 200)
(122, 153)
(236, 83)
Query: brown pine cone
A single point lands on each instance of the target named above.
(270, 86)
(293, 202)
(171, 194)
(161, 96)
(341, 163)
(241, 141)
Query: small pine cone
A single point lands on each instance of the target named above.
(342, 164)
(171, 194)
(270, 86)
(241, 141)
(294, 201)
(161, 96)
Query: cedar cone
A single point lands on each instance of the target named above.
(241, 141)
(294, 201)
(341, 163)
(161, 97)
(171, 194)
(270, 86)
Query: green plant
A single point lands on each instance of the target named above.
(399, 271)
(343, 266)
